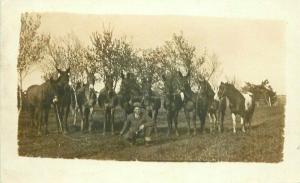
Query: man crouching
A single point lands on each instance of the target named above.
(138, 124)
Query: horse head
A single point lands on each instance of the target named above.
(205, 88)
(171, 89)
(146, 89)
(63, 77)
(129, 85)
(184, 83)
(225, 89)
(91, 79)
(109, 85)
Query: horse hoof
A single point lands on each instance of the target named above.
(177, 134)
(195, 133)
(103, 134)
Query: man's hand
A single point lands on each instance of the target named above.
(141, 127)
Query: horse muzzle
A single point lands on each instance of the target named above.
(55, 99)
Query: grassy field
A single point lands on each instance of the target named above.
(263, 144)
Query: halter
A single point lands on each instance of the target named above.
(222, 96)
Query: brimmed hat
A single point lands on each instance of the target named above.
(137, 104)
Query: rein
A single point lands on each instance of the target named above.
(60, 125)
(75, 96)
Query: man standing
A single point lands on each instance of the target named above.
(137, 124)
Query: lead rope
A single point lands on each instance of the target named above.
(60, 125)
(57, 113)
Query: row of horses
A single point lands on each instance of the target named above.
(177, 95)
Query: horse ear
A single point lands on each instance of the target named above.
(164, 77)
(128, 75)
(58, 70)
(188, 74)
(68, 70)
(122, 75)
(86, 71)
(150, 80)
(180, 74)
(52, 81)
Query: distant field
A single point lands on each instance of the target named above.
(263, 144)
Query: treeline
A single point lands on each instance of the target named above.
(107, 56)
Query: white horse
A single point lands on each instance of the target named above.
(239, 104)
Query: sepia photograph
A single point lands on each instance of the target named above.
(149, 91)
(151, 88)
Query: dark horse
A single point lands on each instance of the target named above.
(196, 103)
(86, 99)
(239, 104)
(130, 92)
(40, 98)
(64, 100)
(216, 113)
(172, 100)
(108, 99)
(150, 100)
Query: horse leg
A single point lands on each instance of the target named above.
(187, 117)
(90, 119)
(39, 120)
(155, 120)
(233, 122)
(243, 124)
(62, 112)
(46, 120)
(210, 122)
(31, 120)
(215, 122)
(75, 110)
(175, 123)
(194, 122)
(112, 119)
(105, 120)
(66, 118)
(222, 121)
(202, 117)
(81, 111)
(169, 118)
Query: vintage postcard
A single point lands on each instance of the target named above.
(159, 89)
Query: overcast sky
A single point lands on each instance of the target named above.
(251, 50)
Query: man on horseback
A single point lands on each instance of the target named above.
(138, 124)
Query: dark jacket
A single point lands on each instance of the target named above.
(132, 126)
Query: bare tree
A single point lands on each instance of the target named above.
(32, 47)
(180, 54)
(110, 56)
(210, 68)
(64, 53)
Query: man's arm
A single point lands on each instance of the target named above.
(148, 122)
(125, 126)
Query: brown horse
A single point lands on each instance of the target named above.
(108, 99)
(87, 98)
(130, 92)
(196, 103)
(151, 100)
(64, 100)
(216, 113)
(239, 104)
(40, 98)
(172, 100)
